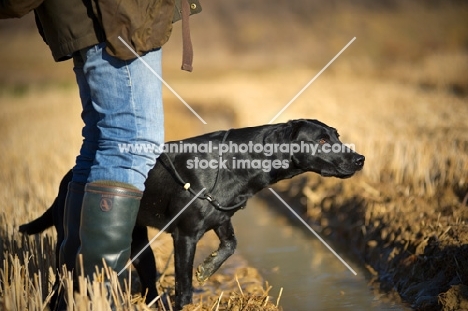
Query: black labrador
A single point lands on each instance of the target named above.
(231, 166)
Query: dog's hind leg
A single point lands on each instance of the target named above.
(227, 246)
(145, 264)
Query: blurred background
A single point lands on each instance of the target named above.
(423, 42)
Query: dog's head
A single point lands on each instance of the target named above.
(321, 151)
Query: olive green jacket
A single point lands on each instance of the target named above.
(69, 26)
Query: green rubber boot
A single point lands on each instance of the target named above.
(70, 235)
(71, 225)
(108, 216)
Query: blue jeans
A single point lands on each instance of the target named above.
(122, 104)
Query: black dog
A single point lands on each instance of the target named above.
(231, 166)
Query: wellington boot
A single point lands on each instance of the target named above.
(108, 217)
(71, 238)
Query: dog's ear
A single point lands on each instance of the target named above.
(295, 127)
(278, 133)
(285, 132)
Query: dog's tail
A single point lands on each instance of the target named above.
(40, 224)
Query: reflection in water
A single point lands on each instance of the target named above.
(292, 258)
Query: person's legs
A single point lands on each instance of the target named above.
(74, 199)
(127, 96)
(123, 117)
(90, 117)
(128, 99)
(84, 161)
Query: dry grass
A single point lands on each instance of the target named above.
(22, 288)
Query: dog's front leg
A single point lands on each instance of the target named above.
(227, 246)
(184, 252)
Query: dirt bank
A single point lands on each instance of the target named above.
(416, 246)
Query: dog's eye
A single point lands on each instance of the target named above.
(322, 141)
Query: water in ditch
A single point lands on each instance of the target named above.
(293, 258)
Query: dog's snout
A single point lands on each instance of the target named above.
(359, 160)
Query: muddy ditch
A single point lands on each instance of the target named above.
(415, 247)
